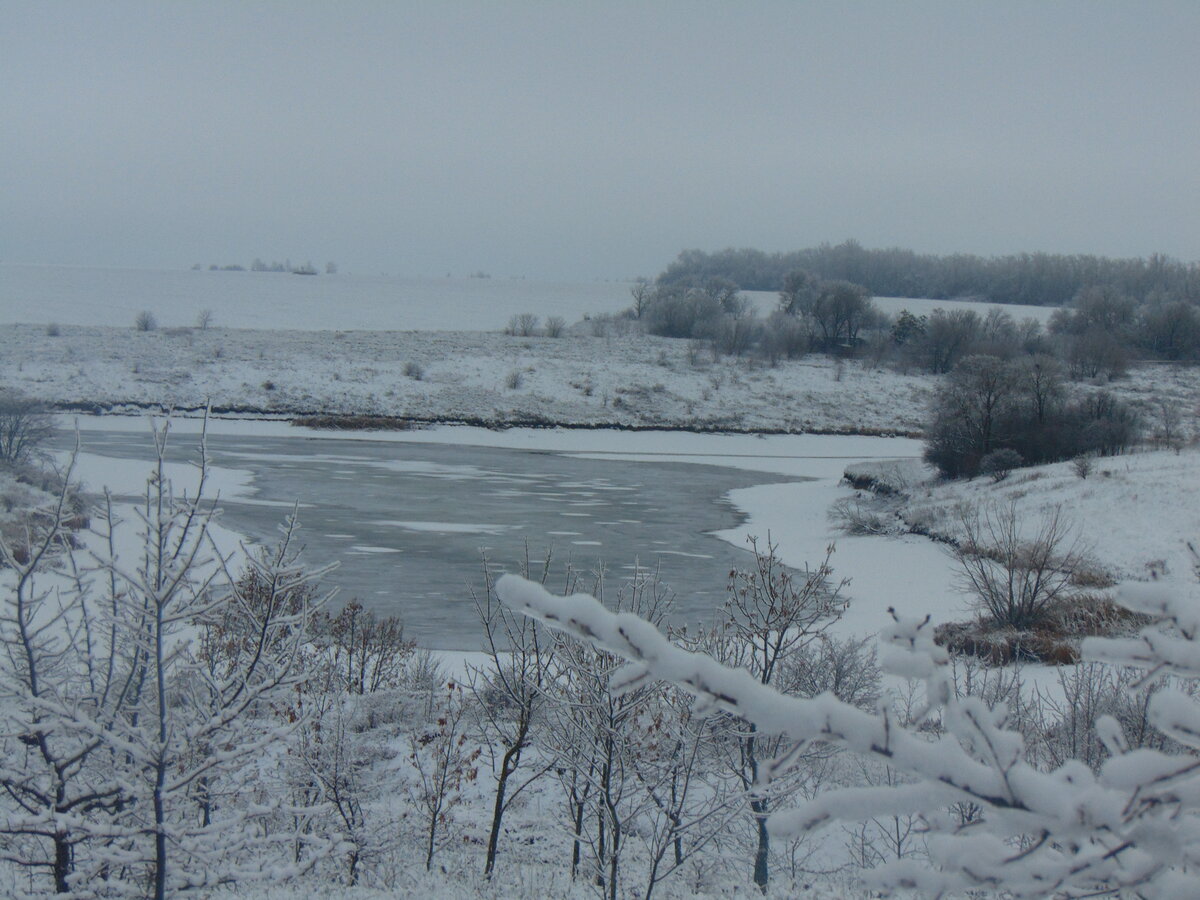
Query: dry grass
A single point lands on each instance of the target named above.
(354, 423)
(1053, 638)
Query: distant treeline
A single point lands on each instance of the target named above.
(1037, 279)
(259, 266)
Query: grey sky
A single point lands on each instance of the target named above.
(579, 140)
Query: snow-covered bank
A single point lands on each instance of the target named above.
(1134, 515)
(494, 379)
(465, 376)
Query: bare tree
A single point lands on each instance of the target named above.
(366, 653)
(691, 806)
(139, 739)
(25, 425)
(590, 732)
(58, 674)
(840, 310)
(643, 294)
(771, 615)
(800, 289)
(510, 693)
(444, 762)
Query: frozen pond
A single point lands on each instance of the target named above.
(408, 522)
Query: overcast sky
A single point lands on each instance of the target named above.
(581, 140)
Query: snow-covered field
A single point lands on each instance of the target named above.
(93, 296)
(1133, 515)
(473, 376)
(492, 378)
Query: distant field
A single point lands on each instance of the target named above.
(79, 296)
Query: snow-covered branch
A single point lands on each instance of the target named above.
(1067, 831)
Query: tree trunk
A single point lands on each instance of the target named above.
(508, 765)
(62, 863)
(761, 871)
(160, 835)
(577, 843)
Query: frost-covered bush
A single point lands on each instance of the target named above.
(145, 321)
(141, 691)
(1000, 463)
(1082, 465)
(858, 516)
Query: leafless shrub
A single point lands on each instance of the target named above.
(365, 653)
(414, 370)
(145, 321)
(556, 326)
(1082, 465)
(514, 380)
(607, 325)
(204, 319)
(522, 325)
(696, 353)
(1015, 578)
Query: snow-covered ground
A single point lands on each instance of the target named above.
(359, 301)
(474, 376)
(1133, 515)
(98, 296)
(493, 378)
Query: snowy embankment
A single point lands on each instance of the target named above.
(1133, 515)
(1129, 518)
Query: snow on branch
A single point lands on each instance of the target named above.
(1067, 832)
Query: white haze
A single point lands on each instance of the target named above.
(573, 141)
